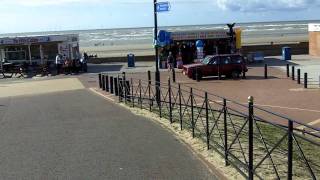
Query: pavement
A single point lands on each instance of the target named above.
(72, 133)
(278, 93)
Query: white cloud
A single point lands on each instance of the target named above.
(260, 5)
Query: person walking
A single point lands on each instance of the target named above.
(59, 63)
(170, 62)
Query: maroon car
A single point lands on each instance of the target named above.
(217, 65)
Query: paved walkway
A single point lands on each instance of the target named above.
(78, 135)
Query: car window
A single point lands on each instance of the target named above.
(226, 60)
(214, 61)
(236, 59)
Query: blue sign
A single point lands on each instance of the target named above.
(163, 6)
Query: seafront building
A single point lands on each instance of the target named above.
(38, 49)
(314, 39)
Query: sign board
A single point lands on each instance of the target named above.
(194, 35)
(24, 40)
(314, 27)
(163, 6)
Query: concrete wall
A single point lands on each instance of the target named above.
(268, 50)
(276, 49)
(314, 43)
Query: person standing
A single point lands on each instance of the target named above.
(59, 63)
(83, 62)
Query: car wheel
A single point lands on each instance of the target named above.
(235, 74)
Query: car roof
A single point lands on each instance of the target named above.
(223, 55)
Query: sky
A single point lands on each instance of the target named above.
(57, 15)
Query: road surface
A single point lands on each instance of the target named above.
(78, 135)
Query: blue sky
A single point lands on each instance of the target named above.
(48, 15)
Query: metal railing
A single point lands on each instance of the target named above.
(257, 142)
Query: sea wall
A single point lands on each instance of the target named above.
(276, 49)
(268, 50)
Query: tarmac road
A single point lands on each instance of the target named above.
(78, 135)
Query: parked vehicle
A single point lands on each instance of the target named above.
(230, 65)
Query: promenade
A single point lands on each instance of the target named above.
(71, 133)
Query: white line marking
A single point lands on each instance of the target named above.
(312, 123)
(282, 107)
(100, 94)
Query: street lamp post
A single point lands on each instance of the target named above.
(157, 74)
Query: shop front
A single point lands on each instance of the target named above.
(191, 46)
(38, 49)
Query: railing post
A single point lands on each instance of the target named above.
(100, 80)
(111, 85)
(173, 75)
(299, 76)
(225, 132)
(180, 108)
(250, 119)
(116, 88)
(293, 78)
(124, 85)
(170, 100)
(305, 80)
(107, 83)
(160, 102)
(103, 82)
(140, 93)
(266, 71)
(132, 93)
(192, 113)
(290, 149)
(149, 91)
(288, 71)
(207, 119)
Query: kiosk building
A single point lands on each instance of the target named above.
(314, 39)
(38, 49)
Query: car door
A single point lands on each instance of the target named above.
(212, 67)
(225, 65)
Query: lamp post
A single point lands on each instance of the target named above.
(157, 74)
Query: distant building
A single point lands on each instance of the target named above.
(314, 39)
(38, 49)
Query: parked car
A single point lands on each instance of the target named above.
(230, 65)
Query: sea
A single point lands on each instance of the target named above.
(128, 36)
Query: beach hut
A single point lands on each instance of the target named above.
(314, 39)
(38, 49)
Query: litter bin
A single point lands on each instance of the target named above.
(286, 53)
(131, 60)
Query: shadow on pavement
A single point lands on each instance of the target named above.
(272, 62)
(93, 68)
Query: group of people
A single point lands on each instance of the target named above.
(67, 66)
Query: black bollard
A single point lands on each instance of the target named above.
(197, 74)
(100, 81)
(111, 85)
(299, 76)
(107, 83)
(293, 78)
(288, 72)
(266, 71)
(103, 82)
(306, 80)
(173, 75)
(116, 88)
